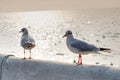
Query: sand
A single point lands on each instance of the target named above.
(37, 5)
(97, 26)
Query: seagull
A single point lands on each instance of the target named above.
(27, 42)
(80, 47)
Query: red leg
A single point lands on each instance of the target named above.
(79, 60)
(30, 55)
(24, 54)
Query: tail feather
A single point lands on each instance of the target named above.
(30, 45)
(104, 49)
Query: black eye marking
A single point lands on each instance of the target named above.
(23, 30)
(69, 33)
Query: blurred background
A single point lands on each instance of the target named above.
(36, 5)
(94, 21)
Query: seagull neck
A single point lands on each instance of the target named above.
(25, 33)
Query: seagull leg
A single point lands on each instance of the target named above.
(30, 55)
(79, 60)
(24, 54)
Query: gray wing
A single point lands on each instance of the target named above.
(83, 46)
(31, 39)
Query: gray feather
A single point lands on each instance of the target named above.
(83, 46)
(27, 42)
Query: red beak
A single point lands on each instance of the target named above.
(64, 35)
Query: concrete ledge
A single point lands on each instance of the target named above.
(18, 69)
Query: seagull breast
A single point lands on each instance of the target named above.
(27, 42)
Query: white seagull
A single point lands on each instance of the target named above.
(80, 47)
(27, 42)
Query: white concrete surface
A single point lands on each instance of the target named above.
(18, 69)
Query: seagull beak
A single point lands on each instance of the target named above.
(20, 31)
(64, 35)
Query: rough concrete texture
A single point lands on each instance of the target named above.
(18, 69)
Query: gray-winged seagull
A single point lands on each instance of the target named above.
(27, 42)
(80, 47)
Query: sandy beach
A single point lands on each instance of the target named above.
(38, 5)
(100, 27)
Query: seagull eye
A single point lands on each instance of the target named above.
(69, 33)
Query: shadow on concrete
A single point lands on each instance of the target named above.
(18, 69)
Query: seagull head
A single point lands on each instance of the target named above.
(24, 31)
(67, 33)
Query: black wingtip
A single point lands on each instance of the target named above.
(102, 49)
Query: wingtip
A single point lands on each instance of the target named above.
(105, 50)
(102, 49)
